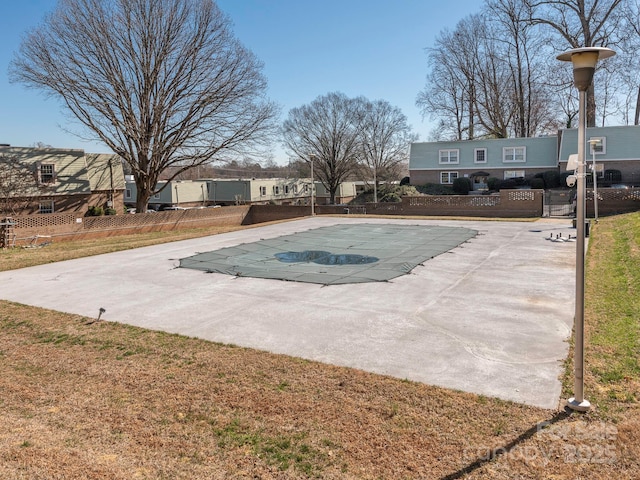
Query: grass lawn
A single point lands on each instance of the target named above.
(102, 400)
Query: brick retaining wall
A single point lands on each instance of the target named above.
(271, 213)
(613, 201)
(68, 226)
(509, 204)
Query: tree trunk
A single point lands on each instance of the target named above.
(591, 107)
(143, 195)
(332, 195)
(636, 120)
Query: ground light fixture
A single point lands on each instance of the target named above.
(584, 62)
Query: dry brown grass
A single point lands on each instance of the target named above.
(103, 400)
(13, 258)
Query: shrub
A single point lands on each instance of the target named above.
(493, 183)
(390, 197)
(95, 211)
(435, 189)
(405, 181)
(551, 179)
(110, 211)
(508, 184)
(462, 185)
(394, 193)
(537, 183)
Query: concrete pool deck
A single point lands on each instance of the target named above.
(492, 316)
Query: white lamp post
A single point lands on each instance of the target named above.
(594, 142)
(313, 212)
(584, 62)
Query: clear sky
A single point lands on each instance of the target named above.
(374, 48)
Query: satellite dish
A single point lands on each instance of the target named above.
(572, 162)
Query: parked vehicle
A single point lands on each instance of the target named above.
(170, 208)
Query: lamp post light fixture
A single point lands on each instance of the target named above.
(593, 143)
(313, 212)
(584, 62)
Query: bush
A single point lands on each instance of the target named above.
(95, 211)
(462, 185)
(551, 179)
(537, 183)
(493, 183)
(435, 189)
(390, 197)
(110, 211)
(508, 184)
(394, 193)
(405, 181)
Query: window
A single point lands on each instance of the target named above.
(263, 191)
(47, 173)
(156, 196)
(480, 155)
(276, 190)
(448, 156)
(448, 177)
(514, 154)
(46, 206)
(127, 193)
(295, 189)
(599, 148)
(306, 188)
(513, 174)
(286, 189)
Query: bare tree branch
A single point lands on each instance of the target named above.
(328, 129)
(18, 184)
(385, 137)
(163, 83)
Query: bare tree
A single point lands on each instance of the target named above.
(327, 129)
(474, 82)
(450, 93)
(163, 83)
(492, 76)
(579, 23)
(559, 81)
(17, 185)
(385, 137)
(631, 71)
(494, 100)
(523, 50)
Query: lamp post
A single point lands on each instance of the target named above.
(584, 62)
(593, 142)
(313, 212)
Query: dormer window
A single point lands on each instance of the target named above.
(448, 156)
(46, 173)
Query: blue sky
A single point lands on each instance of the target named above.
(374, 48)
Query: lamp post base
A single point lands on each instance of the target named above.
(583, 406)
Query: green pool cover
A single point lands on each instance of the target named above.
(334, 255)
